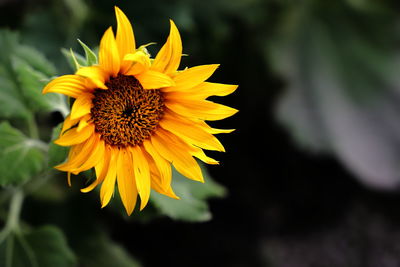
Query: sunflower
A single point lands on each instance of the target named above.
(134, 116)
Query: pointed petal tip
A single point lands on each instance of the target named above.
(129, 212)
(84, 190)
(142, 206)
(103, 204)
(69, 179)
(172, 23)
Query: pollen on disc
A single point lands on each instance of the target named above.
(125, 114)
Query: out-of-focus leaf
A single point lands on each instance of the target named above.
(35, 59)
(20, 157)
(23, 73)
(43, 247)
(101, 251)
(192, 206)
(342, 95)
(57, 154)
(31, 83)
(11, 102)
(91, 57)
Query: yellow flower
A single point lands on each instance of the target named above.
(135, 116)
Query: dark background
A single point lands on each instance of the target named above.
(291, 202)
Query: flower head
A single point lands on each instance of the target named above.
(134, 116)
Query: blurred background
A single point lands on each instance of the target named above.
(312, 173)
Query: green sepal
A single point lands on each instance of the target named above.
(74, 59)
(91, 57)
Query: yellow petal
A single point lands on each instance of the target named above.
(140, 62)
(154, 80)
(218, 131)
(163, 166)
(69, 178)
(211, 130)
(190, 133)
(202, 91)
(81, 106)
(125, 39)
(157, 182)
(70, 85)
(108, 186)
(169, 57)
(73, 137)
(96, 74)
(199, 153)
(142, 175)
(201, 109)
(101, 169)
(192, 77)
(68, 124)
(177, 153)
(109, 58)
(83, 122)
(126, 181)
(79, 155)
(71, 154)
(93, 158)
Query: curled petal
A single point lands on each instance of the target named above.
(154, 80)
(140, 62)
(101, 169)
(179, 156)
(96, 75)
(163, 166)
(73, 137)
(81, 106)
(169, 57)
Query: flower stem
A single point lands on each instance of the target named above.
(12, 223)
(32, 127)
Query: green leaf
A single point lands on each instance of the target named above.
(100, 251)
(43, 247)
(75, 60)
(192, 206)
(11, 102)
(8, 42)
(91, 57)
(20, 157)
(57, 154)
(31, 83)
(36, 60)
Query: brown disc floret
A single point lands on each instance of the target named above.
(126, 114)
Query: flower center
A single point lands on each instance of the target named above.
(125, 114)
